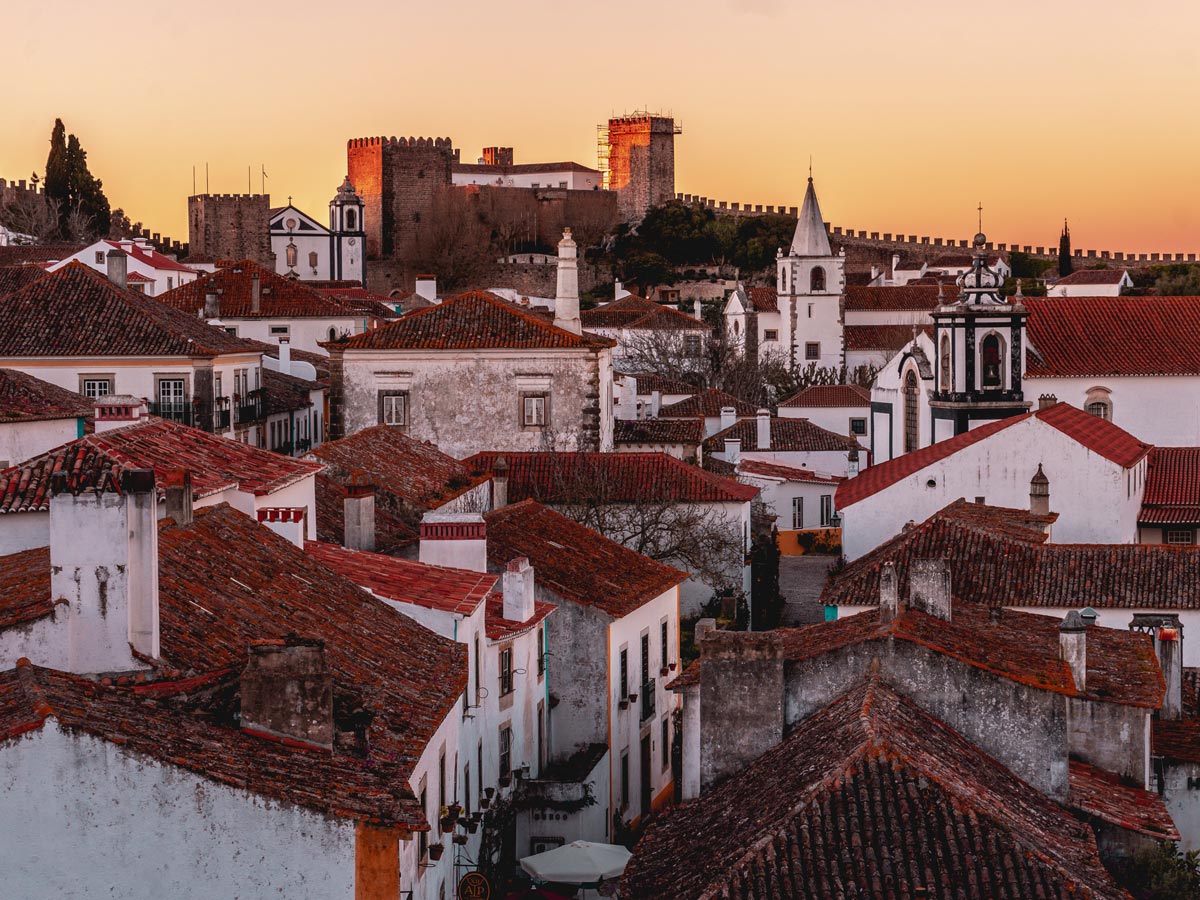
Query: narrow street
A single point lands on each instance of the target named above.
(801, 579)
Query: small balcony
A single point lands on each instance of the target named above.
(248, 409)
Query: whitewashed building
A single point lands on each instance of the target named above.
(309, 251)
(36, 416)
(146, 270)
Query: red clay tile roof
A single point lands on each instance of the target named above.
(475, 320)
(1096, 434)
(23, 254)
(286, 393)
(456, 591)
(830, 395)
(789, 473)
(1020, 646)
(138, 277)
(870, 797)
(150, 257)
(359, 299)
(25, 587)
(393, 531)
(182, 724)
(1172, 494)
(24, 398)
(1092, 276)
(647, 383)
(763, 299)
(1098, 336)
(706, 403)
(786, 435)
(77, 312)
(638, 312)
(13, 278)
(1106, 797)
(216, 463)
(658, 431)
(896, 297)
(279, 297)
(498, 628)
(1176, 739)
(890, 338)
(575, 562)
(553, 477)
(1000, 557)
(521, 168)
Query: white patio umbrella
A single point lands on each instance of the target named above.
(579, 862)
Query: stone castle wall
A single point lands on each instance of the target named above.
(231, 226)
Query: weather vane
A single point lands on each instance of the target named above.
(981, 215)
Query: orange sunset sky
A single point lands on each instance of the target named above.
(913, 112)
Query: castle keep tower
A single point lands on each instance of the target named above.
(397, 179)
(231, 226)
(640, 163)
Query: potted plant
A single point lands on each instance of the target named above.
(484, 802)
(459, 839)
(472, 824)
(436, 851)
(633, 698)
(505, 780)
(672, 666)
(491, 792)
(662, 673)
(624, 704)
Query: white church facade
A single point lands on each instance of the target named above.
(309, 251)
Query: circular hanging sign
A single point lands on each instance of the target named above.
(474, 886)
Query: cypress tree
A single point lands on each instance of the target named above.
(56, 185)
(72, 185)
(1064, 252)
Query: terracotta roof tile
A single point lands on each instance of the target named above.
(873, 796)
(1172, 494)
(24, 254)
(498, 628)
(658, 431)
(648, 382)
(638, 312)
(77, 312)
(1176, 739)
(1106, 797)
(1096, 434)
(552, 477)
(286, 393)
(25, 587)
(1093, 276)
(216, 463)
(1097, 336)
(830, 395)
(13, 278)
(890, 338)
(763, 299)
(788, 473)
(786, 435)
(575, 562)
(895, 297)
(706, 403)
(475, 320)
(24, 398)
(279, 297)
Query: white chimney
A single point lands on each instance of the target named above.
(426, 287)
(285, 356)
(697, 311)
(500, 483)
(1072, 647)
(255, 294)
(763, 438)
(728, 417)
(517, 584)
(618, 290)
(118, 267)
(852, 467)
(457, 540)
(655, 403)
(566, 294)
(212, 303)
(287, 522)
(358, 517)
(733, 450)
(104, 563)
(627, 408)
(118, 410)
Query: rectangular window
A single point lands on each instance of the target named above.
(393, 408)
(423, 836)
(217, 389)
(533, 413)
(771, 334)
(810, 310)
(666, 742)
(623, 675)
(100, 257)
(505, 752)
(506, 671)
(170, 282)
(441, 780)
(467, 788)
(541, 652)
(826, 509)
(646, 676)
(692, 345)
(858, 427)
(280, 330)
(625, 780)
(1181, 536)
(562, 184)
(478, 675)
(812, 350)
(797, 513)
(96, 387)
(666, 656)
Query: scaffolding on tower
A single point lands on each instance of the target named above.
(602, 151)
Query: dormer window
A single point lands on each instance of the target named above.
(1099, 403)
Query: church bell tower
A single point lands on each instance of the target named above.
(347, 235)
(810, 280)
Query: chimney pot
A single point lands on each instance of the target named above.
(517, 584)
(426, 287)
(358, 515)
(457, 540)
(733, 451)
(728, 417)
(118, 267)
(1039, 493)
(500, 483)
(655, 403)
(287, 692)
(764, 429)
(1045, 401)
(212, 303)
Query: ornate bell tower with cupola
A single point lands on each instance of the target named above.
(980, 344)
(810, 280)
(347, 235)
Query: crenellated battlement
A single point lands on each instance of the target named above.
(433, 143)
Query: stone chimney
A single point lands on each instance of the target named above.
(255, 294)
(733, 451)
(728, 417)
(889, 593)
(852, 465)
(179, 496)
(1072, 647)
(118, 410)
(742, 699)
(517, 583)
(1039, 493)
(500, 483)
(212, 303)
(358, 515)
(929, 587)
(566, 294)
(655, 403)
(287, 692)
(426, 287)
(457, 540)
(289, 522)
(763, 438)
(118, 267)
(1167, 633)
(104, 564)
(1045, 401)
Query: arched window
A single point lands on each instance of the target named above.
(332, 333)
(991, 355)
(312, 259)
(911, 414)
(351, 219)
(783, 281)
(291, 255)
(946, 384)
(816, 281)
(1099, 403)
(737, 327)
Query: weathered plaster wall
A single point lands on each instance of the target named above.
(21, 440)
(1112, 737)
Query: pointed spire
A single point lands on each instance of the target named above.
(811, 239)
